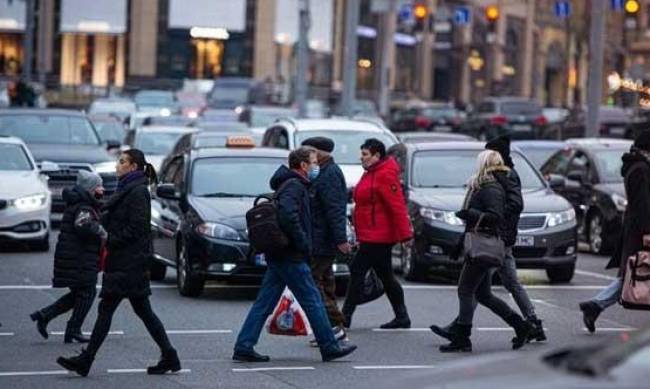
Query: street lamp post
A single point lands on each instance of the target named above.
(350, 56)
(596, 50)
(303, 57)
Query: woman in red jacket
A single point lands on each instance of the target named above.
(380, 220)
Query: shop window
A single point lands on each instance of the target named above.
(11, 53)
(207, 58)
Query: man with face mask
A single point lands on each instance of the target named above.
(328, 194)
(76, 257)
(288, 267)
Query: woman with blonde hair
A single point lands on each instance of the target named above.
(483, 211)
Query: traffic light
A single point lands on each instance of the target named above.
(632, 7)
(492, 13)
(421, 16)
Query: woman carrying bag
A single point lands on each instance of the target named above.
(126, 275)
(483, 250)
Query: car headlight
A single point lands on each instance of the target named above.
(104, 167)
(30, 203)
(620, 202)
(447, 217)
(219, 231)
(558, 218)
(165, 112)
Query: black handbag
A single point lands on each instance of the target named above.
(483, 249)
(373, 288)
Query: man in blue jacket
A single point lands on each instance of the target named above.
(328, 210)
(289, 268)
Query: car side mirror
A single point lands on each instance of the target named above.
(556, 181)
(577, 176)
(49, 167)
(112, 144)
(167, 191)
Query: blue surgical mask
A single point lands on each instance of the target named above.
(314, 171)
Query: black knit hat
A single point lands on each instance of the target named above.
(502, 146)
(642, 141)
(320, 143)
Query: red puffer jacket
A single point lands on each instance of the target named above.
(380, 214)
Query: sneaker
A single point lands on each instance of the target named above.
(339, 334)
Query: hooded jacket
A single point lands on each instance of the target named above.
(380, 213)
(486, 203)
(294, 214)
(636, 221)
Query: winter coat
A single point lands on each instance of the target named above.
(128, 223)
(294, 214)
(79, 242)
(511, 184)
(636, 221)
(329, 197)
(489, 202)
(380, 214)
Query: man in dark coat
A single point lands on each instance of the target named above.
(288, 267)
(328, 194)
(76, 257)
(636, 227)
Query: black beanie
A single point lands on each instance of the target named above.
(502, 146)
(642, 141)
(320, 143)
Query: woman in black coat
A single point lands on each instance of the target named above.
(636, 227)
(126, 276)
(483, 210)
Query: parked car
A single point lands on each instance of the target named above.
(348, 136)
(517, 117)
(118, 107)
(156, 142)
(198, 216)
(538, 151)
(25, 199)
(156, 102)
(265, 115)
(613, 122)
(426, 137)
(66, 138)
(588, 173)
(439, 117)
(435, 177)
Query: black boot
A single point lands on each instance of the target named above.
(590, 311)
(347, 311)
(168, 362)
(460, 341)
(401, 320)
(522, 328)
(537, 333)
(80, 364)
(444, 332)
(75, 335)
(41, 323)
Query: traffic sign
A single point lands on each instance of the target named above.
(462, 15)
(562, 9)
(618, 5)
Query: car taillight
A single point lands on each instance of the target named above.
(422, 122)
(541, 121)
(498, 120)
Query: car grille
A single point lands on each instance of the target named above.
(531, 222)
(528, 252)
(3, 204)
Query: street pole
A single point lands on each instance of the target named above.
(387, 58)
(596, 53)
(303, 57)
(28, 41)
(350, 56)
(41, 43)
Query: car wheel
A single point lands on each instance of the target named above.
(411, 270)
(42, 245)
(157, 270)
(561, 274)
(189, 284)
(597, 237)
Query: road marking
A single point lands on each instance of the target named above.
(287, 368)
(198, 332)
(32, 373)
(130, 371)
(7, 334)
(486, 329)
(612, 329)
(393, 367)
(59, 333)
(595, 275)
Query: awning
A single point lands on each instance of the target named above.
(229, 15)
(12, 16)
(98, 16)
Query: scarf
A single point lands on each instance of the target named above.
(129, 178)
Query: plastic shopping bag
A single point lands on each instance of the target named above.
(288, 318)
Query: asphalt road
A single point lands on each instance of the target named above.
(204, 329)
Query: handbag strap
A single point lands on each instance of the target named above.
(480, 219)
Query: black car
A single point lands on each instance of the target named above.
(435, 178)
(67, 138)
(613, 122)
(588, 174)
(440, 117)
(198, 215)
(517, 117)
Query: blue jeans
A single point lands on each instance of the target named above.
(610, 295)
(297, 276)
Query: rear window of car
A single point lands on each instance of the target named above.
(521, 108)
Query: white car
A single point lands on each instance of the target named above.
(25, 199)
(348, 136)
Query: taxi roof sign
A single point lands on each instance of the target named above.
(242, 141)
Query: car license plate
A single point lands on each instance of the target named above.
(260, 260)
(442, 128)
(525, 241)
(519, 127)
(617, 130)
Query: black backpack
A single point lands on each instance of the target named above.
(264, 231)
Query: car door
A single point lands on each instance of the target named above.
(558, 165)
(170, 213)
(580, 184)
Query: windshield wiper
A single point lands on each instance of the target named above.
(224, 194)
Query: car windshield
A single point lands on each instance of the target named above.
(13, 157)
(227, 177)
(51, 129)
(266, 117)
(347, 143)
(453, 168)
(521, 108)
(110, 131)
(539, 156)
(154, 99)
(212, 139)
(156, 143)
(609, 164)
(111, 107)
